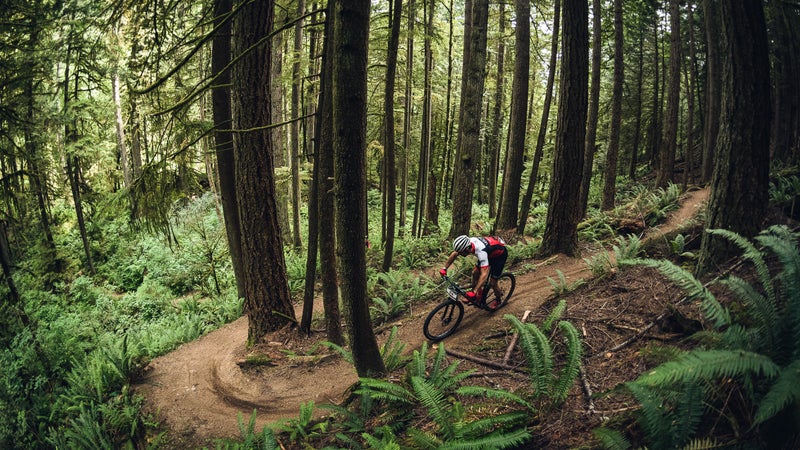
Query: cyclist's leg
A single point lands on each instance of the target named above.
(496, 266)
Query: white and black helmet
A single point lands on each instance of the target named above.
(461, 243)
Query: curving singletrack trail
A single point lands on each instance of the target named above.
(199, 390)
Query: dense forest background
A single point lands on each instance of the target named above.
(167, 166)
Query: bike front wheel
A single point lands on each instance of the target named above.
(443, 320)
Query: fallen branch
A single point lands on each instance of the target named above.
(483, 361)
(584, 382)
(514, 340)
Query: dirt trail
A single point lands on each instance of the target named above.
(198, 390)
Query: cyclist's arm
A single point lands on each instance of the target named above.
(482, 278)
(450, 259)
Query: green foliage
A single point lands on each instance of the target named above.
(304, 428)
(599, 264)
(678, 246)
(392, 291)
(611, 439)
(627, 248)
(561, 286)
(755, 349)
(539, 355)
(554, 315)
(784, 193)
(431, 387)
(250, 440)
(392, 352)
(418, 253)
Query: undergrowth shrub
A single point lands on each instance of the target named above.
(746, 371)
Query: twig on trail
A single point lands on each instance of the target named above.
(514, 340)
(503, 373)
(585, 383)
(484, 362)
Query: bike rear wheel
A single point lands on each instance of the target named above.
(507, 282)
(443, 320)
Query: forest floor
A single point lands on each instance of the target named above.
(197, 391)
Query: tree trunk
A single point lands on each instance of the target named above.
(610, 185)
(784, 29)
(389, 139)
(446, 179)
(563, 215)
(122, 148)
(468, 149)
(666, 157)
(431, 222)
(713, 83)
(493, 139)
(637, 132)
(325, 187)
(548, 98)
(407, 117)
(267, 301)
(515, 159)
(690, 86)
(295, 126)
(279, 135)
(351, 29)
(594, 108)
(223, 137)
(654, 130)
(423, 173)
(739, 190)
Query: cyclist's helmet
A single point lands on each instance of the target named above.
(461, 243)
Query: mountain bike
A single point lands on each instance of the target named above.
(443, 320)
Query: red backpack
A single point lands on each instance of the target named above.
(494, 245)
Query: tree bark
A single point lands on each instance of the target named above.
(351, 29)
(493, 139)
(739, 189)
(407, 118)
(594, 107)
(327, 227)
(295, 126)
(713, 82)
(267, 303)
(512, 179)
(468, 148)
(784, 29)
(223, 137)
(610, 185)
(548, 98)
(563, 215)
(666, 158)
(389, 139)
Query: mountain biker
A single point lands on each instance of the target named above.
(492, 254)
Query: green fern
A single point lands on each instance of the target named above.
(538, 353)
(554, 315)
(707, 365)
(392, 352)
(566, 378)
(611, 439)
(386, 391)
(502, 395)
(784, 392)
(561, 286)
(443, 376)
(693, 288)
(627, 247)
(669, 416)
